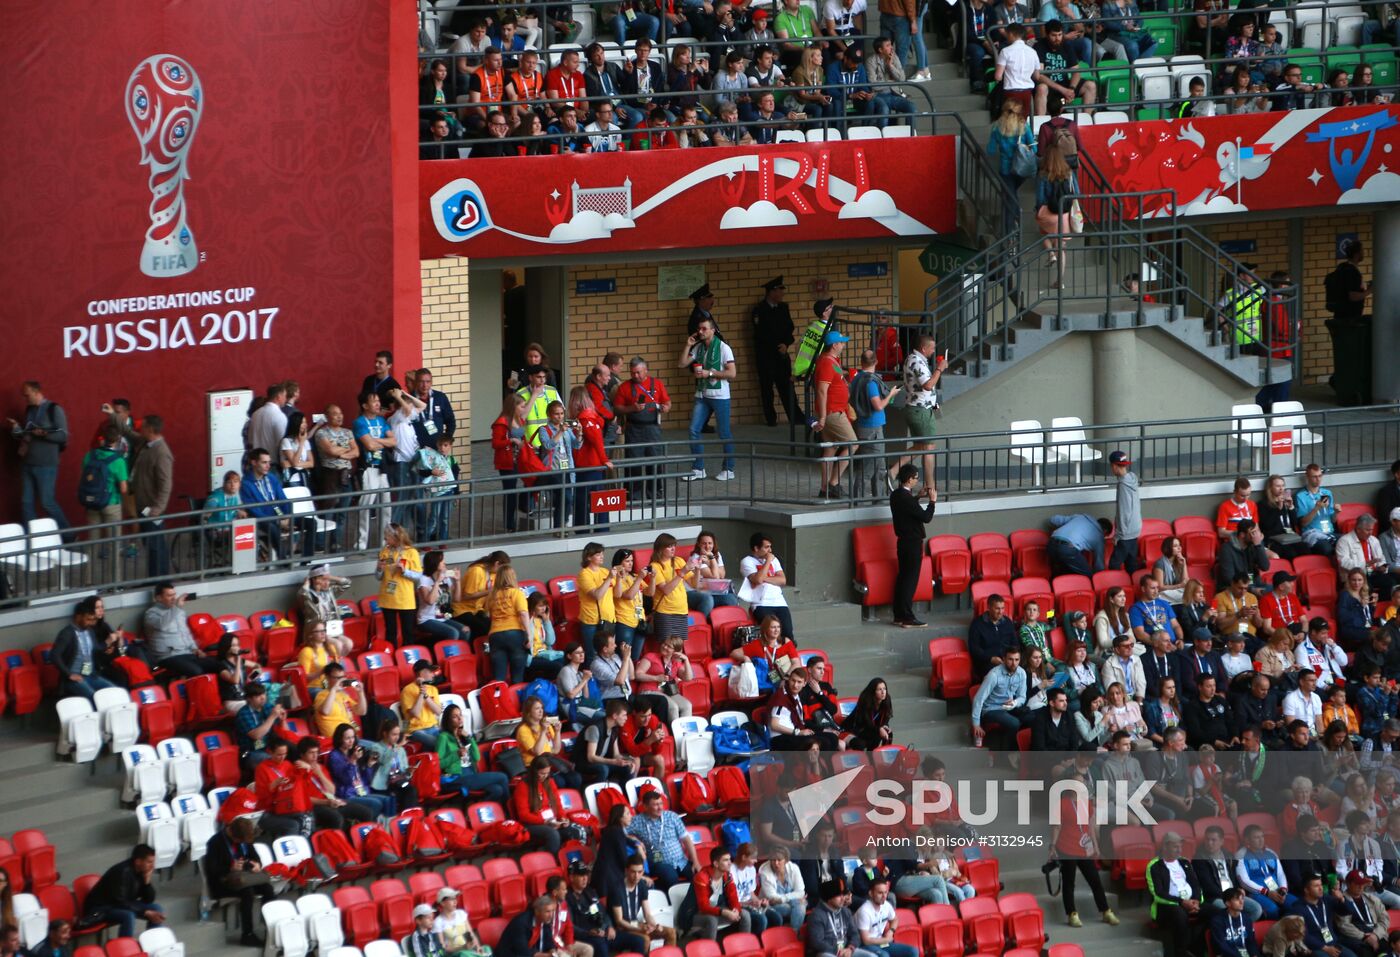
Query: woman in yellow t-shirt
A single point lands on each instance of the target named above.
(510, 624)
(667, 578)
(470, 590)
(316, 652)
(399, 569)
(595, 593)
(627, 603)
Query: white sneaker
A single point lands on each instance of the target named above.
(726, 476)
(923, 75)
(694, 476)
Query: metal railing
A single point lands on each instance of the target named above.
(768, 473)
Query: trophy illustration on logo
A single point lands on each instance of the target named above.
(163, 103)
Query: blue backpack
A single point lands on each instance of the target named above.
(734, 832)
(546, 692)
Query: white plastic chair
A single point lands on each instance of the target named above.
(291, 850)
(1154, 78)
(79, 729)
(345, 952)
(817, 134)
(217, 796)
(1281, 22)
(12, 546)
(676, 895)
(46, 548)
(161, 942)
(119, 718)
(33, 919)
(300, 497)
(635, 785)
(661, 910)
(591, 792)
(1068, 438)
(1109, 117)
(728, 719)
(286, 934)
(863, 133)
(1346, 30)
(682, 728)
(1082, 118)
(1185, 68)
(197, 823)
(474, 708)
(1314, 32)
(161, 830)
(145, 774)
(1291, 415)
(789, 136)
(383, 948)
(699, 752)
(322, 920)
(182, 769)
(1249, 428)
(893, 132)
(1028, 445)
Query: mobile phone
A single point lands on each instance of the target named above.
(191, 596)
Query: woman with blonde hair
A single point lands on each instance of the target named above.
(507, 436)
(808, 97)
(1054, 188)
(1285, 939)
(510, 623)
(1010, 132)
(399, 568)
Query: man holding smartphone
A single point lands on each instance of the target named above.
(1317, 513)
(921, 388)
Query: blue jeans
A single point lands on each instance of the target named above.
(704, 408)
(920, 47)
(380, 805)
(976, 61)
(1272, 910)
(1137, 48)
(398, 473)
(892, 949)
(494, 784)
(445, 629)
(554, 488)
(124, 919)
(436, 512)
(644, 25)
(427, 738)
(1125, 555)
(627, 635)
(886, 103)
(87, 687)
(508, 656)
(513, 503)
(37, 481)
(707, 601)
(1004, 720)
(901, 34)
(790, 914)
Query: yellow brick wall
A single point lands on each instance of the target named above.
(1319, 259)
(446, 341)
(632, 322)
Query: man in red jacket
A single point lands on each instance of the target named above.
(644, 737)
(716, 898)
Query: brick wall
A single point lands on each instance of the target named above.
(631, 320)
(1319, 259)
(446, 343)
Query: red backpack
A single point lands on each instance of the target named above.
(460, 840)
(697, 795)
(424, 839)
(336, 848)
(505, 833)
(379, 848)
(427, 776)
(203, 695)
(498, 702)
(607, 799)
(731, 789)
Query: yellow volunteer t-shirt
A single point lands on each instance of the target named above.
(395, 591)
(474, 581)
(507, 609)
(409, 697)
(629, 613)
(311, 658)
(590, 611)
(340, 713)
(675, 603)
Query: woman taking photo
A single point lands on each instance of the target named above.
(869, 723)
(1278, 520)
(460, 761)
(351, 778)
(393, 775)
(399, 567)
(661, 673)
(1170, 571)
(1111, 621)
(541, 660)
(315, 654)
(596, 586)
(631, 629)
(295, 452)
(576, 698)
(509, 611)
(1122, 713)
(539, 736)
(470, 590)
(435, 590)
(712, 587)
(507, 437)
(667, 579)
(1055, 186)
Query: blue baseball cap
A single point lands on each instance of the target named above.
(834, 336)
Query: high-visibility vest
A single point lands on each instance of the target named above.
(1246, 309)
(536, 413)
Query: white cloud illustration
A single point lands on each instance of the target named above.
(1380, 188)
(617, 221)
(1216, 204)
(585, 225)
(872, 204)
(760, 214)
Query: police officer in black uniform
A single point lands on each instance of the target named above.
(772, 336)
(704, 301)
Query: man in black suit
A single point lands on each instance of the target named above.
(230, 868)
(1161, 662)
(74, 654)
(602, 81)
(909, 519)
(1053, 730)
(1200, 659)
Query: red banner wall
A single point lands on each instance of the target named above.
(621, 202)
(1254, 161)
(200, 195)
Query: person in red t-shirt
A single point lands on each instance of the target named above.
(565, 82)
(644, 736)
(1236, 509)
(284, 791)
(591, 460)
(1280, 608)
(833, 407)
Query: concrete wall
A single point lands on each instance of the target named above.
(1151, 376)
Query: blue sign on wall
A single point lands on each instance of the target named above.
(1238, 247)
(864, 270)
(584, 287)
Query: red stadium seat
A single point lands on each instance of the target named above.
(458, 667)
(873, 548)
(991, 556)
(406, 657)
(381, 677)
(703, 948)
(155, 713)
(985, 876)
(986, 934)
(1317, 579)
(777, 942)
(395, 906)
(950, 676)
(279, 646)
(983, 590)
(1199, 539)
(219, 759)
(1028, 552)
(359, 916)
(1107, 579)
(945, 938)
(1349, 512)
(1232, 841)
(952, 563)
(507, 886)
(424, 886)
(1073, 593)
(1027, 929)
(23, 684)
(476, 899)
(38, 857)
(538, 867)
(742, 945)
(1154, 530)
(1074, 950)
(122, 947)
(41, 656)
(369, 608)
(1026, 590)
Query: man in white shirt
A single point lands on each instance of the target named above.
(1235, 661)
(843, 18)
(763, 583)
(1018, 67)
(877, 922)
(711, 362)
(604, 135)
(401, 418)
(1303, 703)
(1320, 654)
(268, 425)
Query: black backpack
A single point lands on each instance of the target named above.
(95, 484)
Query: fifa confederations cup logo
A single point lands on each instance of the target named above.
(164, 101)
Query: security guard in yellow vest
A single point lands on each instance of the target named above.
(1245, 307)
(537, 395)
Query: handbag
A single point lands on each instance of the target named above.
(1076, 217)
(510, 762)
(528, 464)
(1025, 162)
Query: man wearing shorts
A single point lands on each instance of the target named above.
(1058, 81)
(833, 420)
(920, 385)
